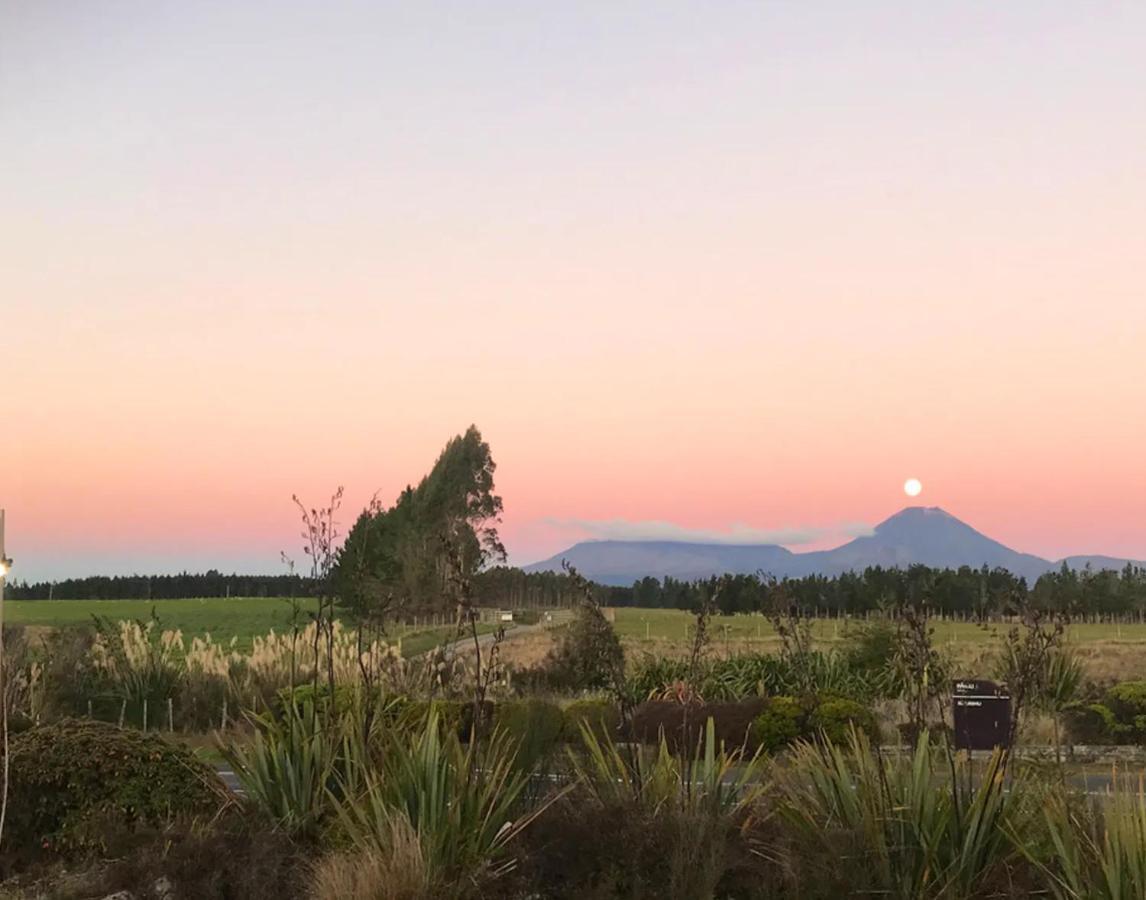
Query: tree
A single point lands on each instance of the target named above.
(411, 556)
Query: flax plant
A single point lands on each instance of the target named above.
(712, 780)
(289, 770)
(903, 827)
(460, 800)
(1099, 844)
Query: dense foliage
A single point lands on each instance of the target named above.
(396, 558)
(1116, 715)
(76, 782)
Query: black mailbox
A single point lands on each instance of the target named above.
(982, 714)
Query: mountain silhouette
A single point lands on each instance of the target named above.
(917, 535)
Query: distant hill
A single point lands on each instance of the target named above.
(916, 535)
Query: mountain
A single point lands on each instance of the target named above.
(623, 562)
(927, 536)
(916, 535)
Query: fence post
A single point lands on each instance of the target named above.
(170, 715)
(223, 720)
(145, 714)
(122, 711)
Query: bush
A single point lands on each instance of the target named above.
(1089, 723)
(600, 716)
(835, 717)
(1118, 717)
(229, 859)
(587, 656)
(732, 721)
(534, 725)
(1127, 701)
(578, 850)
(76, 783)
(782, 722)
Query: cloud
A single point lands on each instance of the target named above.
(624, 530)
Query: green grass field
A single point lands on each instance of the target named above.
(221, 618)
(675, 626)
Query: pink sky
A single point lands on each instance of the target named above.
(713, 267)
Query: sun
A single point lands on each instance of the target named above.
(912, 487)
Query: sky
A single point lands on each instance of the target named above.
(733, 269)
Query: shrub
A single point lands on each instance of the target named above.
(534, 725)
(683, 725)
(227, 859)
(76, 783)
(601, 717)
(583, 851)
(587, 656)
(1127, 700)
(782, 722)
(1119, 717)
(1090, 723)
(834, 718)
(645, 824)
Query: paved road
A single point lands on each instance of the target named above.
(484, 640)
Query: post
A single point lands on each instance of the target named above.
(170, 715)
(145, 714)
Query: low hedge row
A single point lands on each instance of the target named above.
(540, 725)
(767, 724)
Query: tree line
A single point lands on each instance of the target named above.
(211, 583)
(966, 591)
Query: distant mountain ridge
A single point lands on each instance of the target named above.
(915, 535)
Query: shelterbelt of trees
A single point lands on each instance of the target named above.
(963, 591)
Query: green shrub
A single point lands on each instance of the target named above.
(1127, 700)
(782, 722)
(534, 726)
(587, 656)
(600, 716)
(835, 717)
(1120, 717)
(76, 783)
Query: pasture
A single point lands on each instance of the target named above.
(223, 618)
(676, 625)
(1109, 651)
